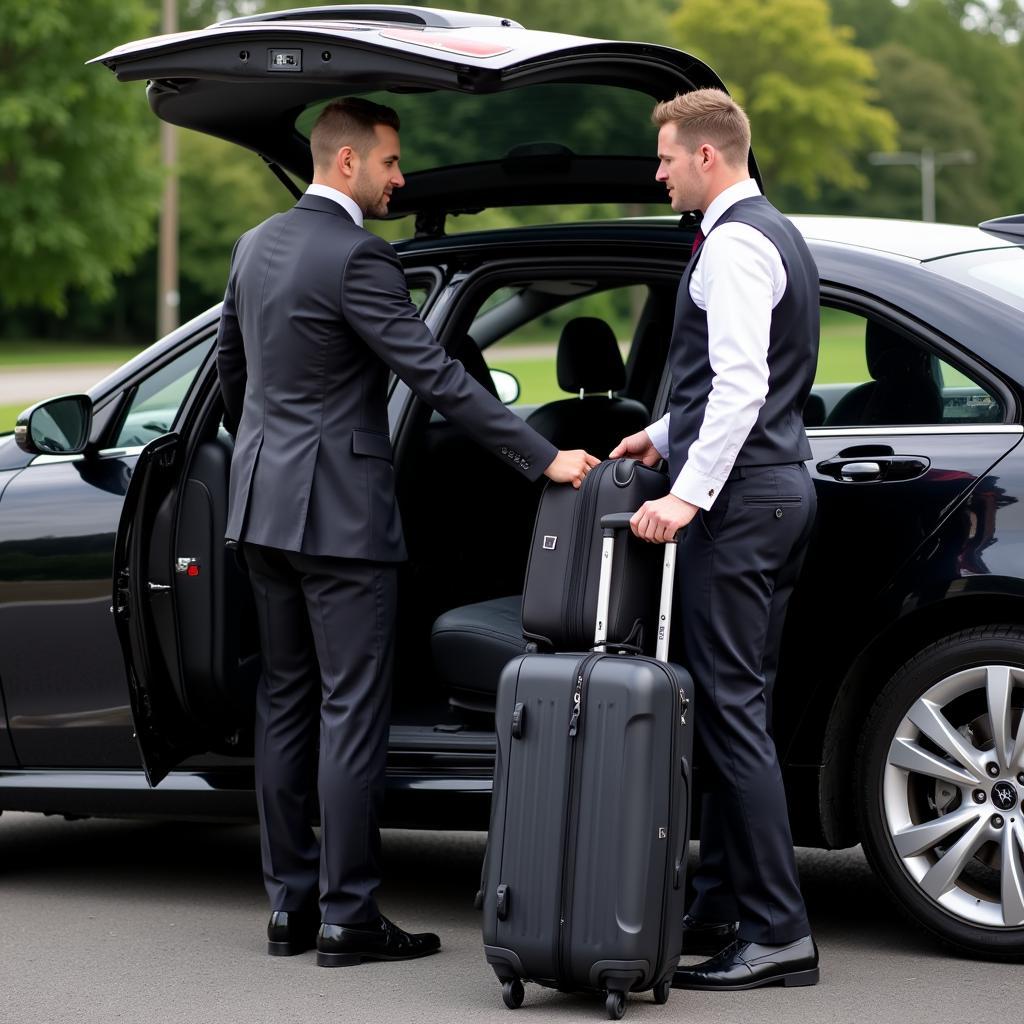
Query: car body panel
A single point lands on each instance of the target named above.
(874, 558)
(60, 671)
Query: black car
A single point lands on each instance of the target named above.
(899, 704)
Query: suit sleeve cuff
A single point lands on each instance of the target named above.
(696, 488)
(534, 470)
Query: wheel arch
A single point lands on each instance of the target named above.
(866, 678)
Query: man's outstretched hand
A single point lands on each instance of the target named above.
(659, 521)
(637, 446)
(571, 467)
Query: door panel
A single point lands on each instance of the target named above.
(867, 528)
(60, 663)
(144, 613)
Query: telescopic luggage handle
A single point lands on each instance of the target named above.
(610, 523)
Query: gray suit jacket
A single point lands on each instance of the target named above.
(316, 312)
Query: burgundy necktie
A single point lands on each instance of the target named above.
(697, 239)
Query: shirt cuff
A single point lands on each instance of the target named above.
(696, 488)
(658, 433)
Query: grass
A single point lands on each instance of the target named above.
(8, 414)
(31, 352)
(840, 361)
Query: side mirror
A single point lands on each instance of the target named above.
(507, 386)
(59, 426)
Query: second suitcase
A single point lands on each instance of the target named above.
(560, 594)
(586, 857)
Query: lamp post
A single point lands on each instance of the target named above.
(927, 161)
(167, 298)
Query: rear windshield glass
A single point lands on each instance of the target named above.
(441, 129)
(996, 272)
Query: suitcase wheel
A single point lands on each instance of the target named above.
(615, 1004)
(512, 993)
(661, 991)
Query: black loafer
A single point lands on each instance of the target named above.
(706, 938)
(292, 931)
(743, 965)
(341, 946)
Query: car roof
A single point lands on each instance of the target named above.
(916, 240)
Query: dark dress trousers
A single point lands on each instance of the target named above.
(316, 312)
(739, 562)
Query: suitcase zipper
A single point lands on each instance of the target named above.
(583, 513)
(583, 671)
(673, 797)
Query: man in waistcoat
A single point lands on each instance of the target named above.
(742, 358)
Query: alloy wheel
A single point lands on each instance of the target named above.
(953, 795)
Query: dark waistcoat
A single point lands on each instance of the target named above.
(778, 435)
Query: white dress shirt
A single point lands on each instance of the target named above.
(347, 203)
(738, 281)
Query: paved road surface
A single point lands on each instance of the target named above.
(33, 384)
(107, 921)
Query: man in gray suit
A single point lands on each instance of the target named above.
(316, 312)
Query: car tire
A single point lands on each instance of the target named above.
(934, 781)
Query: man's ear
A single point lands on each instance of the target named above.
(707, 156)
(345, 161)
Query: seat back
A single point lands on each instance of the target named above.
(589, 365)
(903, 389)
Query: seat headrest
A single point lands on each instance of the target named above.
(889, 354)
(588, 357)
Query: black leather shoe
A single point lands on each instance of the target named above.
(292, 931)
(341, 946)
(744, 965)
(706, 937)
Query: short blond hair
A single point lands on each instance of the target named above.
(708, 115)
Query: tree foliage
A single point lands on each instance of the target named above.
(78, 195)
(934, 114)
(224, 191)
(808, 90)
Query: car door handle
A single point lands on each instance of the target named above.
(889, 468)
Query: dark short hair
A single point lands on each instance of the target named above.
(348, 122)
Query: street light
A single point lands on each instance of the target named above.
(167, 298)
(927, 161)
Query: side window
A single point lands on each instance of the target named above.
(154, 406)
(871, 374)
(529, 350)
(418, 293)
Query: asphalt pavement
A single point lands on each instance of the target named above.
(108, 921)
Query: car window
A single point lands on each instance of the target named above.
(154, 406)
(529, 350)
(871, 374)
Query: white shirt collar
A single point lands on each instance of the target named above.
(347, 203)
(745, 189)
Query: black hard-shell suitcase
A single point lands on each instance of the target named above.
(584, 875)
(560, 594)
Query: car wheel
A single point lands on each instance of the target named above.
(941, 790)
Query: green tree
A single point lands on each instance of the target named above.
(224, 191)
(933, 113)
(808, 90)
(988, 70)
(77, 192)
